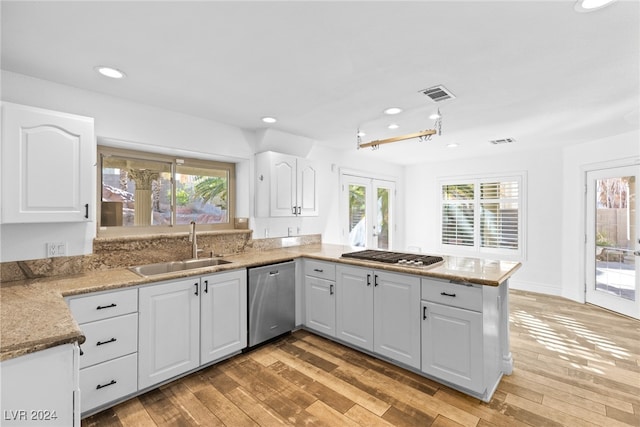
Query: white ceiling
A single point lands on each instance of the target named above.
(536, 71)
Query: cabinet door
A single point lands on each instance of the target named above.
(39, 389)
(169, 335)
(223, 314)
(452, 345)
(320, 305)
(283, 186)
(47, 166)
(396, 317)
(354, 303)
(307, 191)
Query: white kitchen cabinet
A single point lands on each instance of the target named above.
(286, 186)
(396, 317)
(169, 330)
(41, 388)
(380, 312)
(320, 297)
(191, 322)
(223, 314)
(452, 334)
(354, 306)
(108, 357)
(48, 172)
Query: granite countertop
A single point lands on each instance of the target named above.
(35, 316)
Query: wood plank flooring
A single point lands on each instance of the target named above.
(575, 365)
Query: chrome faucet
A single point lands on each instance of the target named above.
(193, 238)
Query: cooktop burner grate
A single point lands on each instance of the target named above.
(394, 257)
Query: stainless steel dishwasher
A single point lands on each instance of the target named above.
(271, 301)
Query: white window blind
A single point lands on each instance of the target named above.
(483, 214)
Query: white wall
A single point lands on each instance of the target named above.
(541, 268)
(577, 159)
(132, 125)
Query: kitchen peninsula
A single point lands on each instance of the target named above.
(461, 304)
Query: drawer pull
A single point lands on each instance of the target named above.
(274, 273)
(99, 386)
(447, 295)
(318, 270)
(106, 342)
(102, 307)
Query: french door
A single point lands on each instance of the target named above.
(370, 211)
(613, 245)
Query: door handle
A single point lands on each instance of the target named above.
(368, 280)
(196, 285)
(206, 286)
(330, 289)
(424, 313)
(375, 280)
(274, 273)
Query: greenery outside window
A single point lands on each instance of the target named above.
(483, 215)
(143, 193)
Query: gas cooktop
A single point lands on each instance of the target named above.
(410, 260)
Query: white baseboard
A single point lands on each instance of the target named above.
(541, 288)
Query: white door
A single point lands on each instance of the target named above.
(613, 243)
(169, 337)
(320, 305)
(396, 317)
(370, 211)
(223, 315)
(354, 306)
(307, 188)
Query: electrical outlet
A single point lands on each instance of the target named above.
(55, 249)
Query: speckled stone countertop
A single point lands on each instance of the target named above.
(35, 316)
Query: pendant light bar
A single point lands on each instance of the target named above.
(398, 138)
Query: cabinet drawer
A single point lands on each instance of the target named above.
(452, 294)
(320, 269)
(108, 381)
(109, 338)
(102, 306)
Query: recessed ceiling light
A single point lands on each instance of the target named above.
(452, 145)
(111, 72)
(360, 133)
(393, 126)
(269, 119)
(393, 110)
(591, 5)
(435, 116)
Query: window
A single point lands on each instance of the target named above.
(144, 192)
(483, 215)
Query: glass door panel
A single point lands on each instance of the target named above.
(369, 204)
(612, 240)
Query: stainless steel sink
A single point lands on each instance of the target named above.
(172, 266)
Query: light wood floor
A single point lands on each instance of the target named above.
(575, 365)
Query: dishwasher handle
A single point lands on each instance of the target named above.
(274, 273)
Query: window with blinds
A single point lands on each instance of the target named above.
(483, 215)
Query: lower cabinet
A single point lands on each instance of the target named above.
(379, 312)
(41, 388)
(169, 331)
(320, 296)
(190, 322)
(452, 334)
(109, 355)
(223, 315)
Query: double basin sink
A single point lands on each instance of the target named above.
(173, 266)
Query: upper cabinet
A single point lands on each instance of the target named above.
(48, 162)
(286, 186)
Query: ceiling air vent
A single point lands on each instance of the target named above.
(438, 93)
(502, 141)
